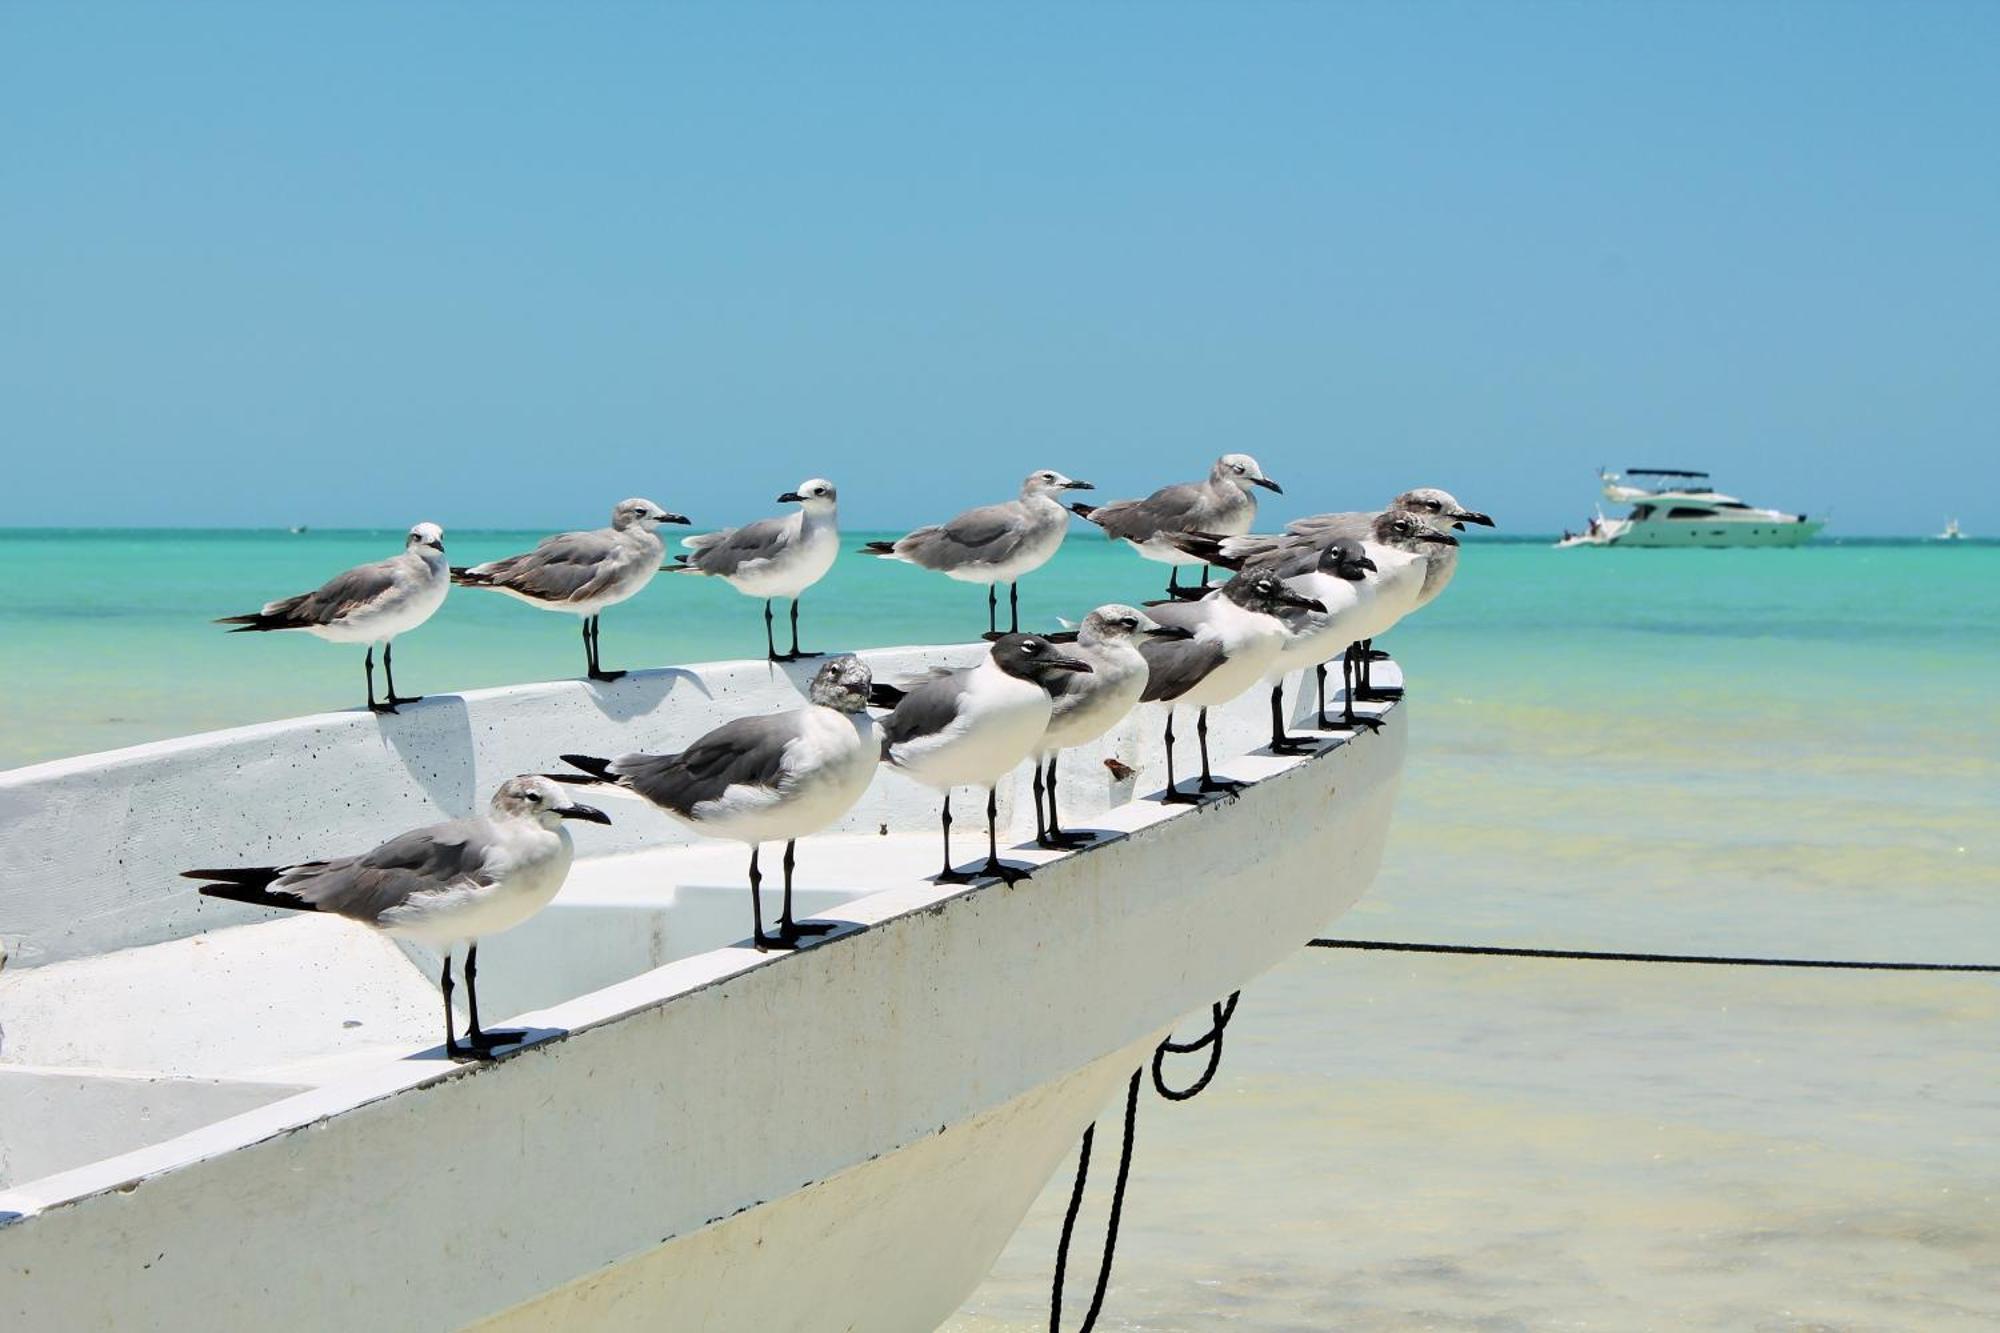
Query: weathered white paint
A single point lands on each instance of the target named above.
(874, 1112)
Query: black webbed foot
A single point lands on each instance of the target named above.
(381, 708)
(791, 934)
(395, 699)
(491, 1037)
(607, 675)
(1002, 871)
(1222, 786)
(465, 1054)
(952, 877)
(1362, 722)
(1289, 746)
(1175, 796)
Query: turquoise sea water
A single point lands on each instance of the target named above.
(1779, 752)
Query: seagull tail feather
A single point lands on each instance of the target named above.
(879, 548)
(470, 578)
(250, 885)
(599, 770)
(884, 695)
(1082, 510)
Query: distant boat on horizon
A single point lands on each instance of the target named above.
(1678, 508)
(1951, 532)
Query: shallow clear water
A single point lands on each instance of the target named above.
(1783, 752)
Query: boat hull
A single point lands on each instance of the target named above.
(1693, 533)
(843, 1137)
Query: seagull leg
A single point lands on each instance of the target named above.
(1173, 794)
(994, 865)
(389, 673)
(1056, 832)
(1319, 676)
(948, 875)
(1350, 675)
(1042, 838)
(1365, 668)
(790, 932)
(368, 665)
(758, 937)
(1014, 607)
(1183, 592)
(1209, 782)
(475, 1036)
(795, 654)
(992, 609)
(770, 644)
(597, 671)
(1280, 742)
(452, 1049)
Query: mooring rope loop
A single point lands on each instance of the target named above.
(1219, 1015)
(1605, 956)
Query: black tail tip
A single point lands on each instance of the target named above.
(1081, 510)
(879, 548)
(598, 769)
(881, 695)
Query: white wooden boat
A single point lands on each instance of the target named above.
(1678, 508)
(214, 1119)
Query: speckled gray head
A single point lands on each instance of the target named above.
(1345, 559)
(532, 796)
(1047, 481)
(813, 493)
(427, 535)
(644, 513)
(1430, 502)
(1262, 590)
(842, 683)
(1410, 532)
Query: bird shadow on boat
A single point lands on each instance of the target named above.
(641, 692)
(529, 1037)
(433, 741)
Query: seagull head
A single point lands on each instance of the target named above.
(532, 796)
(1262, 590)
(815, 493)
(1048, 481)
(642, 514)
(1032, 657)
(1242, 470)
(842, 684)
(1345, 559)
(425, 536)
(1411, 532)
(1118, 622)
(1430, 502)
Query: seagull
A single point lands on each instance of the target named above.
(582, 572)
(446, 885)
(1398, 543)
(368, 604)
(1235, 637)
(1223, 504)
(1425, 502)
(771, 778)
(774, 557)
(993, 544)
(1339, 582)
(1085, 705)
(969, 727)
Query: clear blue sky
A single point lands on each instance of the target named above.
(501, 265)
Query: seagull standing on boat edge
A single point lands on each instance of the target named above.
(368, 604)
(969, 727)
(770, 778)
(1222, 504)
(445, 885)
(582, 572)
(995, 543)
(1234, 637)
(774, 557)
(1085, 705)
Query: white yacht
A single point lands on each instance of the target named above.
(1673, 507)
(1951, 532)
(213, 1117)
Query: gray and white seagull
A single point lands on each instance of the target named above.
(995, 543)
(1222, 504)
(970, 727)
(582, 572)
(774, 557)
(772, 778)
(368, 604)
(446, 885)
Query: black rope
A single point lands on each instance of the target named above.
(1220, 1013)
(1598, 956)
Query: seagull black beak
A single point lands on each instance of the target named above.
(1289, 598)
(1267, 484)
(1467, 516)
(681, 519)
(1069, 664)
(1078, 486)
(585, 812)
(1441, 538)
(791, 498)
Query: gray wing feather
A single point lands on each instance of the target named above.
(748, 751)
(1175, 666)
(725, 552)
(927, 709)
(340, 595)
(987, 535)
(1169, 509)
(566, 567)
(424, 860)
(1329, 526)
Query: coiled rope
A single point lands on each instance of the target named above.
(1219, 1015)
